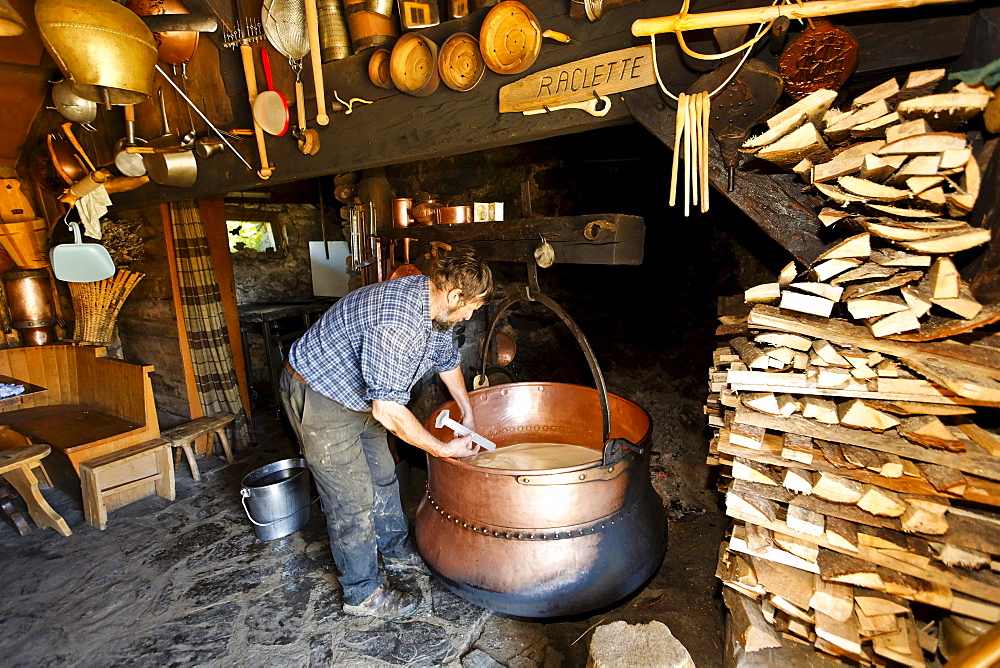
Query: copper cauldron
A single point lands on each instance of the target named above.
(551, 542)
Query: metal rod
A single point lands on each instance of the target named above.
(204, 117)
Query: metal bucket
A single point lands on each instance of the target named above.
(276, 498)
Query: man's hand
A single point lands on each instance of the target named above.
(468, 421)
(461, 446)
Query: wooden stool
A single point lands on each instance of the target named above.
(183, 437)
(119, 478)
(18, 467)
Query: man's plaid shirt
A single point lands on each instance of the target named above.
(375, 343)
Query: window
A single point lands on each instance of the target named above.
(250, 235)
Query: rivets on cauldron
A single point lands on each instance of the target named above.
(486, 531)
(464, 525)
(506, 535)
(474, 528)
(448, 516)
(583, 476)
(527, 480)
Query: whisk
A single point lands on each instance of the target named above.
(285, 28)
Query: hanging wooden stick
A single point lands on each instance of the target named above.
(706, 117)
(694, 112)
(678, 137)
(738, 17)
(687, 157)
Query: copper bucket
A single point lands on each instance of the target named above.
(544, 543)
(29, 298)
(368, 29)
(26, 242)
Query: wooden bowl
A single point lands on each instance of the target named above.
(460, 63)
(510, 38)
(413, 65)
(378, 68)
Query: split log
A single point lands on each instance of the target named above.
(821, 410)
(943, 279)
(964, 305)
(782, 340)
(945, 110)
(798, 480)
(841, 534)
(920, 83)
(804, 142)
(832, 599)
(787, 274)
(795, 301)
(903, 321)
(875, 306)
(869, 271)
(752, 356)
(774, 132)
(837, 488)
(829, 354)
(856, 414)
(874, 287)
(766, 292)
(830, 268)
(917, 126)
(857, 246)
(747, 622)
(876, 127)
(869, 190)
(918, 302)
(929, 431)
(875, 168)
(883, 502)
(825, 290)
(929, 143)
(875, 603)
(900, 212)
(848, 570)
(805, 521)
(883, 91)
(949, 242)
(891, 257)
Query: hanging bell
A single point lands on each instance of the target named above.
(102, 48)
(11, 23)
(545, 255)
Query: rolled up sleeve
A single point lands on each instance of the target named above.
(386, 367)
(444, 353)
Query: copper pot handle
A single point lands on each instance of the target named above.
(533, 293)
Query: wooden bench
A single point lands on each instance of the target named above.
(92, 405)
(18, 467)
(182, 438)
(115, 480)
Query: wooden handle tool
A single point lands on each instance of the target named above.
(67, 129)
(246, 53)
(678, 135)
(312, 26)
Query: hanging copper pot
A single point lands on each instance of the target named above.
(175, 46)
(544, 543)
(29, 299)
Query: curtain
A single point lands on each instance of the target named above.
(205, 320)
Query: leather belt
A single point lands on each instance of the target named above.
(295, 374)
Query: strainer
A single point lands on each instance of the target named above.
(285, 28)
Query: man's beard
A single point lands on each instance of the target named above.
(442, 321)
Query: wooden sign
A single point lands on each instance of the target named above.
(613, 72)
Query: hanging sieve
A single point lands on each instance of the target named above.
(285, 28)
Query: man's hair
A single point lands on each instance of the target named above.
(460, 268)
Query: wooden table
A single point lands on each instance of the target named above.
(29, 389)
(280, 324)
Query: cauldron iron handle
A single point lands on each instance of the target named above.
(533, 293)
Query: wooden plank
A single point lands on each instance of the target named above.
(981, 465)
(978, 489)
(616, 238)
(977, 585)
(846, 334)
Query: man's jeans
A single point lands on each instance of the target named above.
(350, 461)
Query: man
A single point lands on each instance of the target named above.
(347, 380)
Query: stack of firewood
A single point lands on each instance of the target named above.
(858, 468)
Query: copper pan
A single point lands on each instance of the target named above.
(67, 163)
(551, 542)
(175, 46)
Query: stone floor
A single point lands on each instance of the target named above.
(188, 583)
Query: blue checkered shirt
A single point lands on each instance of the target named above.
(375, 343)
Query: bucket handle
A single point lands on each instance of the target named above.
(245, 494)
(533, 293)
